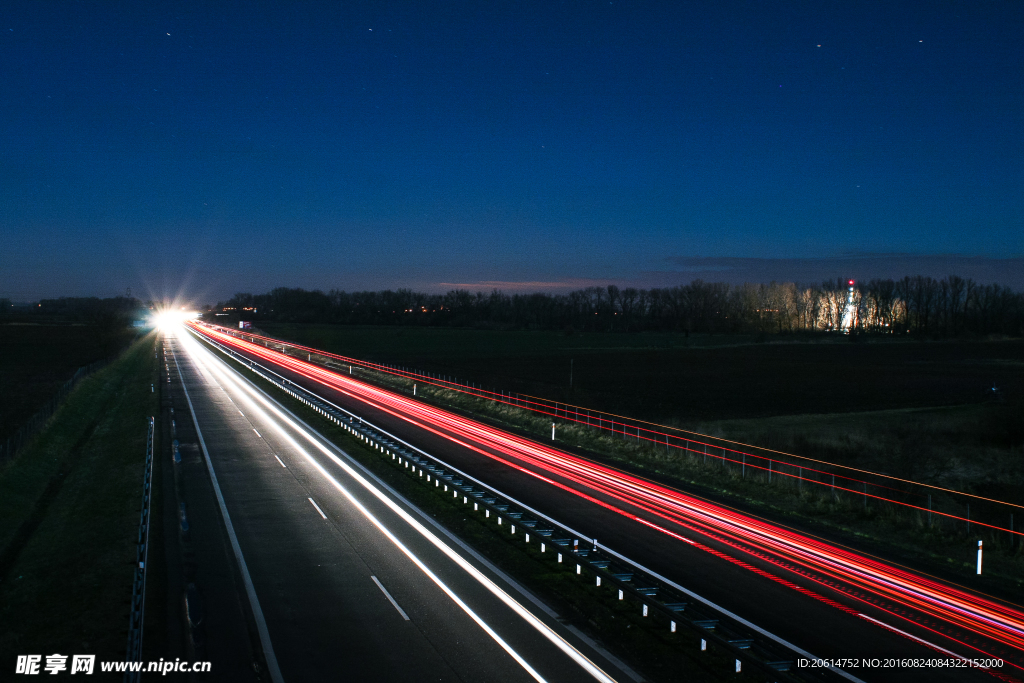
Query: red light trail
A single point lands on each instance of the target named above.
(653, 435)
(935, 605)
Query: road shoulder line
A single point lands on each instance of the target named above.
(250, 590)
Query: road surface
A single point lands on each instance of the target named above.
(829, 600)
(333, 577)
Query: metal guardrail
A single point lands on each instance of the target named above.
(936, 506)
(138, 603)
(681, 609)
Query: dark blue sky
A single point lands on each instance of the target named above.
(219, 147)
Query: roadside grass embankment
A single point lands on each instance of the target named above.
(645, 643)
(665, 376)
(36, 359)
(69, 514)
(954, 448)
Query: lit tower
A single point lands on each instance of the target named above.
(850, 310)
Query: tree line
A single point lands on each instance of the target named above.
(915, 305)
(114, 312)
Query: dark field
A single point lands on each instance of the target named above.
(669, 378)
(37, 359)
(918, 410)
(69, 517)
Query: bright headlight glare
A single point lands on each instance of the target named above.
(171, 319)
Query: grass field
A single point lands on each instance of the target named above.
(69, 506)
(974, 448)
(671, 378)
(36, 359)
(919, 411)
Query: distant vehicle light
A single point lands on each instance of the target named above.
(169, 319)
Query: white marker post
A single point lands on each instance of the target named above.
(552, 431)
(979, 558)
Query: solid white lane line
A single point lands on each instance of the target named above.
(279, 460)
(482, 579)
(257, 433)
(250, 590)
(317, 508)
(391, 599)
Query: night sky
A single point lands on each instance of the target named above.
(205, 148)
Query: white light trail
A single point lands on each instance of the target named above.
(258, 402)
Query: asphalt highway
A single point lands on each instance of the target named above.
(826, 617)
(343, 580)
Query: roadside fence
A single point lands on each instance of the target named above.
(138, 602)
(21, 438)
(930, 506)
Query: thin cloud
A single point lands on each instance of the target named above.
(530, 285)
(737, 270)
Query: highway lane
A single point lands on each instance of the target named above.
(805, 619)
(348, 586)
